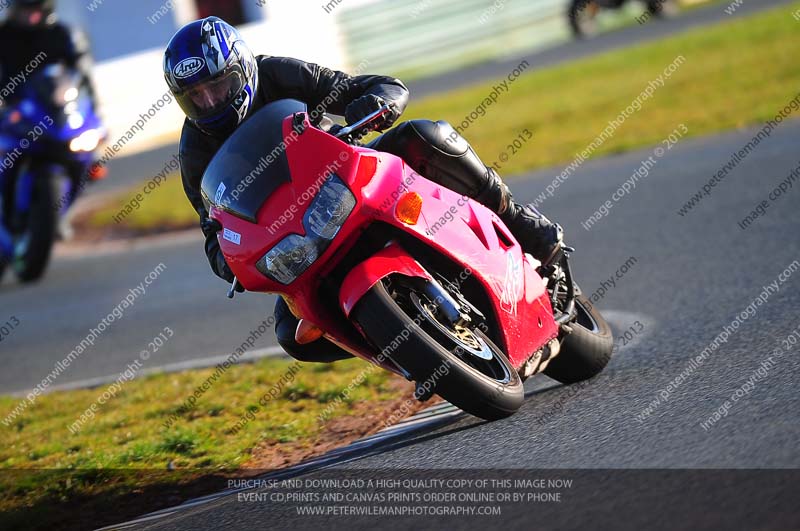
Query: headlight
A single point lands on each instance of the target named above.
(287, 260)
(71, 94)
(75, 120)
(329, 210)
(87, 141)
(323, 220)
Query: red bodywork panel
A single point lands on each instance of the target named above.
(389, 261)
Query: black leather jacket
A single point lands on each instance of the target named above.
(33, 46)
(279, 77)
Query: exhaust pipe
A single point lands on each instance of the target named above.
(538, 362)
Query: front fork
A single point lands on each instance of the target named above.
(25, 186)
(6, 241)
(444, 301)
(23, 194)
(6, 244)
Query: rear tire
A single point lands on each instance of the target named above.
(383, 320)
(40, 232)
(581, 15)
(586, 350)
(662, 8)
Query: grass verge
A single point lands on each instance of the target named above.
(163, 209)
(736, 74)
(143, 450)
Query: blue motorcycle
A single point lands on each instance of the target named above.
(48, 137)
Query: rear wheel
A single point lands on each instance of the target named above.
(665, 8)
(586, 350)
(458, 362)
(33, 246)
(582, 16)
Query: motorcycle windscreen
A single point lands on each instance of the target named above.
(252, 162)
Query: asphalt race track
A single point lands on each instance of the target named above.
(693, 276)
(80, 291)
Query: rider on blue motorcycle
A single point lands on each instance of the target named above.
(219, 83)
(31, 39)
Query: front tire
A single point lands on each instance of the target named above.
(487, 388)
(586, 350)
(36, 241)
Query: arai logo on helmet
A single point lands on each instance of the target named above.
(188, 67)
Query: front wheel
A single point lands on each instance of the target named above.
(458, 362)
(35, 243)
(6, 250)
(586, 349)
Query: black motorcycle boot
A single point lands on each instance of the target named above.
(440, 153)
(319, 351)
(537, 235)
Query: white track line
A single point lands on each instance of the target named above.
(421, 420)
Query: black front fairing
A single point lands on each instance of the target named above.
(252, 162)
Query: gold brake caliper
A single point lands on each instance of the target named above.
(466, 336)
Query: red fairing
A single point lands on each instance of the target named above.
(389, 261)
(454, 226)
(473, 236)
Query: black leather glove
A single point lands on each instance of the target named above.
(335, 128)
(366, 105)
(210, 226)
(220, 268)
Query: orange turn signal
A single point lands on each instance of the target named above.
(97, 172)
(307, 332)
(408, 208)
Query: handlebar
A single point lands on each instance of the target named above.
(370, 119)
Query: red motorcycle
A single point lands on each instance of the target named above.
(394, 268)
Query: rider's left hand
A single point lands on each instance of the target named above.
(366, 105)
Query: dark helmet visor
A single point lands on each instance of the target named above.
(209, 97)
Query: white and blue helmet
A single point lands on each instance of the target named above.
(212, 74)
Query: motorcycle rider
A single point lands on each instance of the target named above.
(218, 83)
(32, 37)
